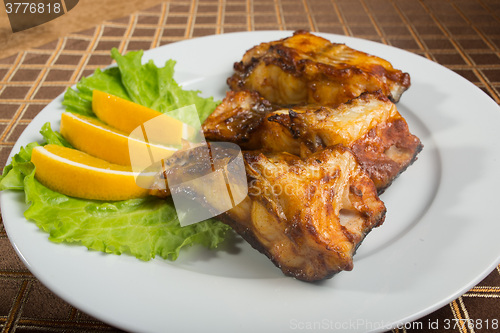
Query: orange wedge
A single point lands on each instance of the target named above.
(97, 139)
(127, 116)
(77, 174)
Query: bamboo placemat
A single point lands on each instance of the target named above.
(463, 35)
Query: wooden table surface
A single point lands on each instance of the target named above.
(38, 64)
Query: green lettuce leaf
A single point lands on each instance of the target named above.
(13, 175)
(145, 84)
(53, 137)
(144, 228)
(173, 97)
(160, 92)
(133, 72)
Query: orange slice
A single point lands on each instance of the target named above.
(127, 116)
(97, 139)
(77, 174)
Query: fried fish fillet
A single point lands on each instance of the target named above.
(308, 216)
(370, 125)
(306, 68)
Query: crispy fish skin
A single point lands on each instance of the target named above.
(307, 216)
(237, 118)
(370, 125)
(305, 68)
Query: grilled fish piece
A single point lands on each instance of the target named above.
(237, 118)
(306, 68)
(370, 125)
(308, 216)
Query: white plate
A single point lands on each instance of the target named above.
(440, 237)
